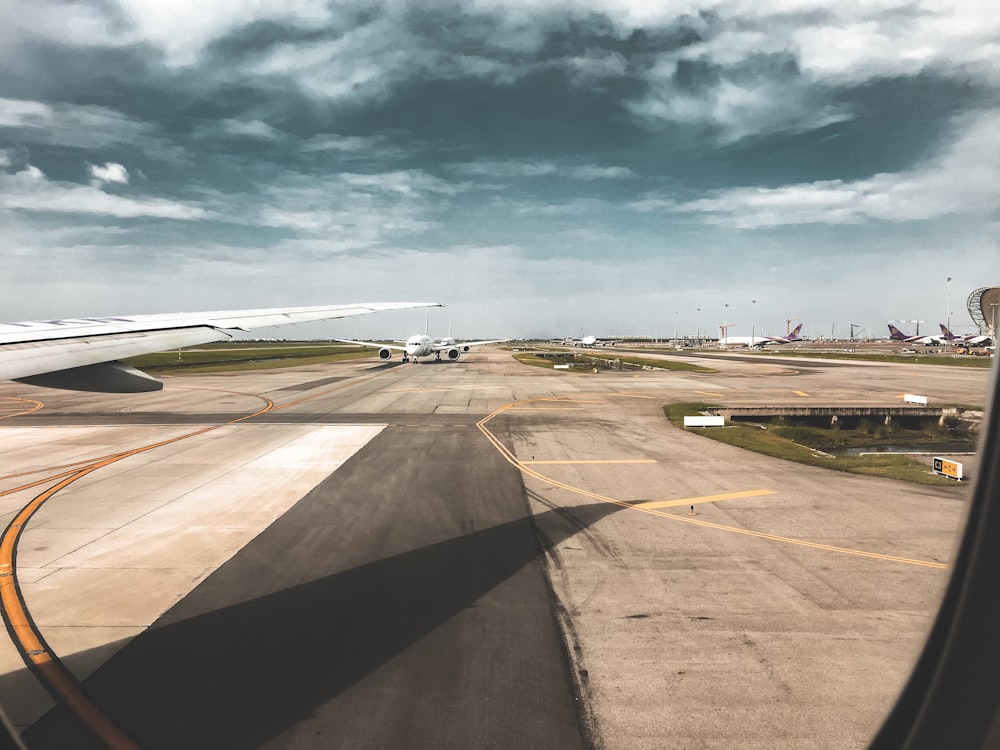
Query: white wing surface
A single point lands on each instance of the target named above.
(465, 345)
(373, 344)
(80, 353)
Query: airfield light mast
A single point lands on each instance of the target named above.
(853, 326)
(948, 323)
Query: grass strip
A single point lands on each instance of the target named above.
(656, 364)
(905, 359)
(230, 358)
(768, 442)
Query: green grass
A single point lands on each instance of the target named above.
(657, 364)
(549, 362)
(586, 362)
(770, 443)
(907, 359)
(250, 355)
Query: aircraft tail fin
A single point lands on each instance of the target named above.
(947, 333)
(895, 333)
(794, 335)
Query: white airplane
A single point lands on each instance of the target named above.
(422, 345)
(81, 354)
(967, 339)
(587, 340)
(757, 342)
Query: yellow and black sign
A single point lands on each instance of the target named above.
(947, 468)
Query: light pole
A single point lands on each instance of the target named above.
(948, 323)
(697, 325)
(725, 325)
(675, 328)
(753, 307)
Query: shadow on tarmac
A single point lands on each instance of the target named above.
(242, 675)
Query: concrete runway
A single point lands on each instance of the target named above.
(361, 565)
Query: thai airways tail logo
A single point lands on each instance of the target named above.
(948, 334)
(896, 334)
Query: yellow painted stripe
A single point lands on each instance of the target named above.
(22, 405)
(706, 499)
(710, 393)
(598, 461)
(512, 459)
(568, 407)
(22, 630)
(800, 393)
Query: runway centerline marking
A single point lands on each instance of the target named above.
(801, 393)
(710, 393)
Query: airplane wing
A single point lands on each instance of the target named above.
(465, 345)
(81, 353)
(372, 344)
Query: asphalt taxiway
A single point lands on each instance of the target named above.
(477, 554)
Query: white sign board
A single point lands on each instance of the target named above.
(911, 399)
(946, 468)
(703, 421)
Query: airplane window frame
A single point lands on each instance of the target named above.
(952, 696)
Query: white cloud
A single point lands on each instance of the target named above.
(183, 28)
(78, 126)
(515, 168)
(505, 168)
(110, 172)
(960, 181)
(350, 211)
(900, 39)
(256, 129)
(596, 172)
(31, 190)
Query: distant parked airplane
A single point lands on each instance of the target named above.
(946, 337)
(967, 340)
(756, 342)
(588, 340)
(81, 354)
(897, 335)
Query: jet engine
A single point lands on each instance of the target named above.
(454, 354)
(384, 353)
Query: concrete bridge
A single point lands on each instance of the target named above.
(883, 413)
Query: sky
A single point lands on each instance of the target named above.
(542, 168)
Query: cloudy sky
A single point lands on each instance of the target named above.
(543, 168)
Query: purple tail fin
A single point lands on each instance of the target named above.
(895, 333)
(946, 333)
(794, 335)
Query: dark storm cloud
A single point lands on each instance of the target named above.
(536, 147)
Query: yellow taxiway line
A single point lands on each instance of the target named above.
(509, 456)
(24, 633)
(705, 499)
(594, 461)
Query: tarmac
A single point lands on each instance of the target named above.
(478, 554)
